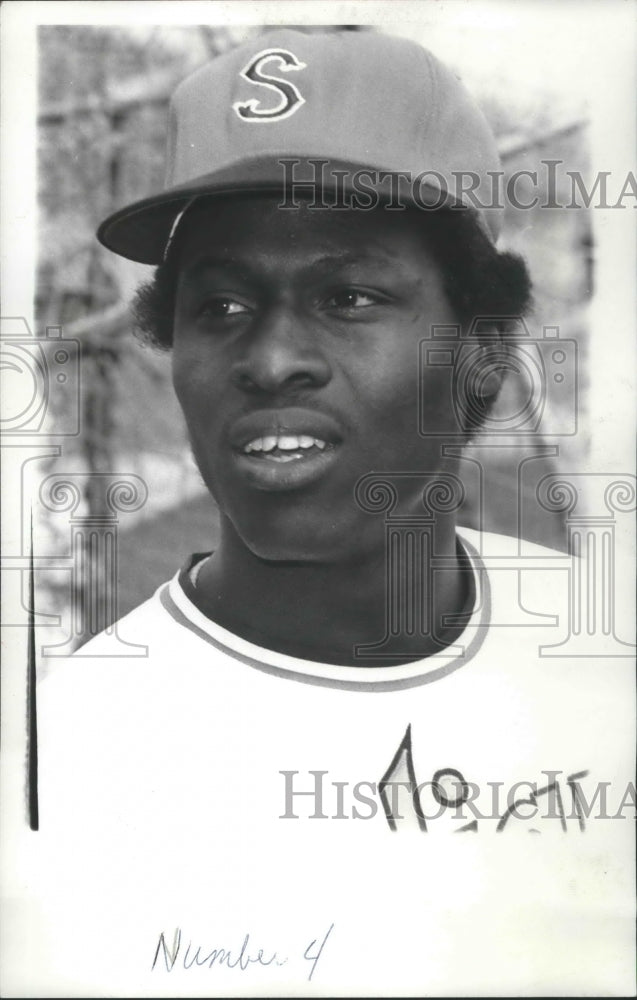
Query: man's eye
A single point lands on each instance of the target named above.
(352, 298)
(222, 307)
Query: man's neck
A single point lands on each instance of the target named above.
(323, 612)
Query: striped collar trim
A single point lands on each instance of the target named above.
(179, 606)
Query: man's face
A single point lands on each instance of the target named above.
(295, 361)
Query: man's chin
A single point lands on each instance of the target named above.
(293, 547)
(309, 536)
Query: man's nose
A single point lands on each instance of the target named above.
(280, 353)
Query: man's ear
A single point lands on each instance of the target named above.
(491, 362)
(480, 376)
(494, 360)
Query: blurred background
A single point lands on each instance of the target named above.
(103, 96)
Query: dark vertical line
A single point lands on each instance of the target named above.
(32, 707)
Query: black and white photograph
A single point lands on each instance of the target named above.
(318, 478)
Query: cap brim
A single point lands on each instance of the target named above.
(141, 231)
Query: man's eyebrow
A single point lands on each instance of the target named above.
(332, 262)
(217, 263)
(327, 263)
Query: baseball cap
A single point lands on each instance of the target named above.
(258, 118)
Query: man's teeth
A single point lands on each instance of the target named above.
(284, 442)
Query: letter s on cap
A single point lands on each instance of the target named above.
(290, 99)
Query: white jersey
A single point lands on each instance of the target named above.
(220, 819)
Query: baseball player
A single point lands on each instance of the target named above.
(268, 801)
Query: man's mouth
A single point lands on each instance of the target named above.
(284, 447)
